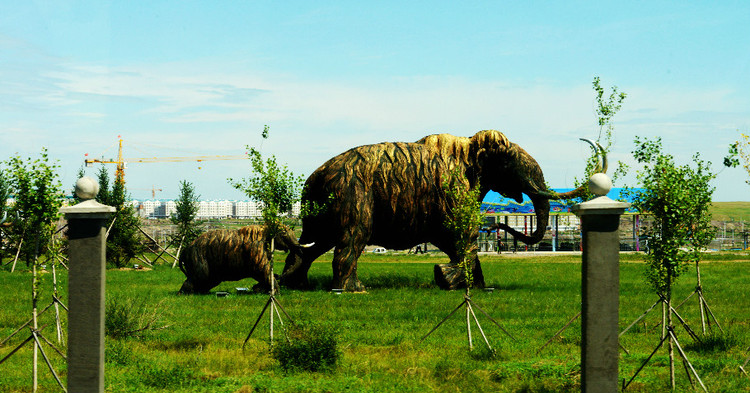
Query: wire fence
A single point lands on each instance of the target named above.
(562, 234)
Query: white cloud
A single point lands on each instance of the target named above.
(206, 107)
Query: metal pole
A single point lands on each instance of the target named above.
(557, 233)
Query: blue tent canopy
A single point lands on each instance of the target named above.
(496, 203)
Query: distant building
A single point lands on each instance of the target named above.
(214, 209)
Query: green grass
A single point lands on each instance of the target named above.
(730, 211)
(379, 332)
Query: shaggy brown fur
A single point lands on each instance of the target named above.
(390, 194)
(230, 255)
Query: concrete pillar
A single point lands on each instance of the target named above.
(86, 279)
(600, 287)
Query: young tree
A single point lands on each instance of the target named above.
(123, 241)
(277, 189)
(186, 210)
(606, 109)
(739, 154)
(103, 178)
(273, 185)
(4, 195)
(38, 198)
(463, 220)
(678, 197)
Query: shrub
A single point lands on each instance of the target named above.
(310, 347)
(165, 375)
(124, 317)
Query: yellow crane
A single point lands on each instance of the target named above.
(120, 161)
(153, 190)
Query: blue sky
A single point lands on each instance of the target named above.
(180, 78)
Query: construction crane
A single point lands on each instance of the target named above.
(153, 190)
(121, 162)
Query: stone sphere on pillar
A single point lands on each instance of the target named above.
(87, 188)
(600, 184)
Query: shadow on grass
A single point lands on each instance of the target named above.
(185, 344)
(380, 281)
(714, 342)
(395, 280)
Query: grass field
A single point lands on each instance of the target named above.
(379, 331)
(731, 211)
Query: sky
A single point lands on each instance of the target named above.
(184, 78)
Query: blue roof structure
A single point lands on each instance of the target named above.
(496, 203)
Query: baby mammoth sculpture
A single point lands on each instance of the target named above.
(390, 194)
(231, 255)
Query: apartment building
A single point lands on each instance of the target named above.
(214, 209)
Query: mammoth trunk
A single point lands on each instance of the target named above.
(451, 276)
(541, 209)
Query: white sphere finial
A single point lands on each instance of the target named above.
(87, 188)
(600, 184)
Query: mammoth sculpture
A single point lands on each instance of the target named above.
(230, 255)
(390, 194)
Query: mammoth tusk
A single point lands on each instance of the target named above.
(307, 245)
(601, 165)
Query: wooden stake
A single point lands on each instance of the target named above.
(742, 367)
(494, 321)
(177, 260)
(106, 235)
(468, 325)
(700, 303)
(35, 356)
(625, 385)
(669, 329)
(144, 260)
(444, 319)
(468, 304)
(682, 353)
(157, 244)
(60, 261)
(58, 323)
(273, 303)
(23, 326)
(639, 318)
(562, 329)
(256, 322)
(51, 369)
(20, 243)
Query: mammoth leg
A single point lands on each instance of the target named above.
(261, 272)
(450, 276)
(345, 261)
(187, 288)
(200, 287)
(345, 268)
